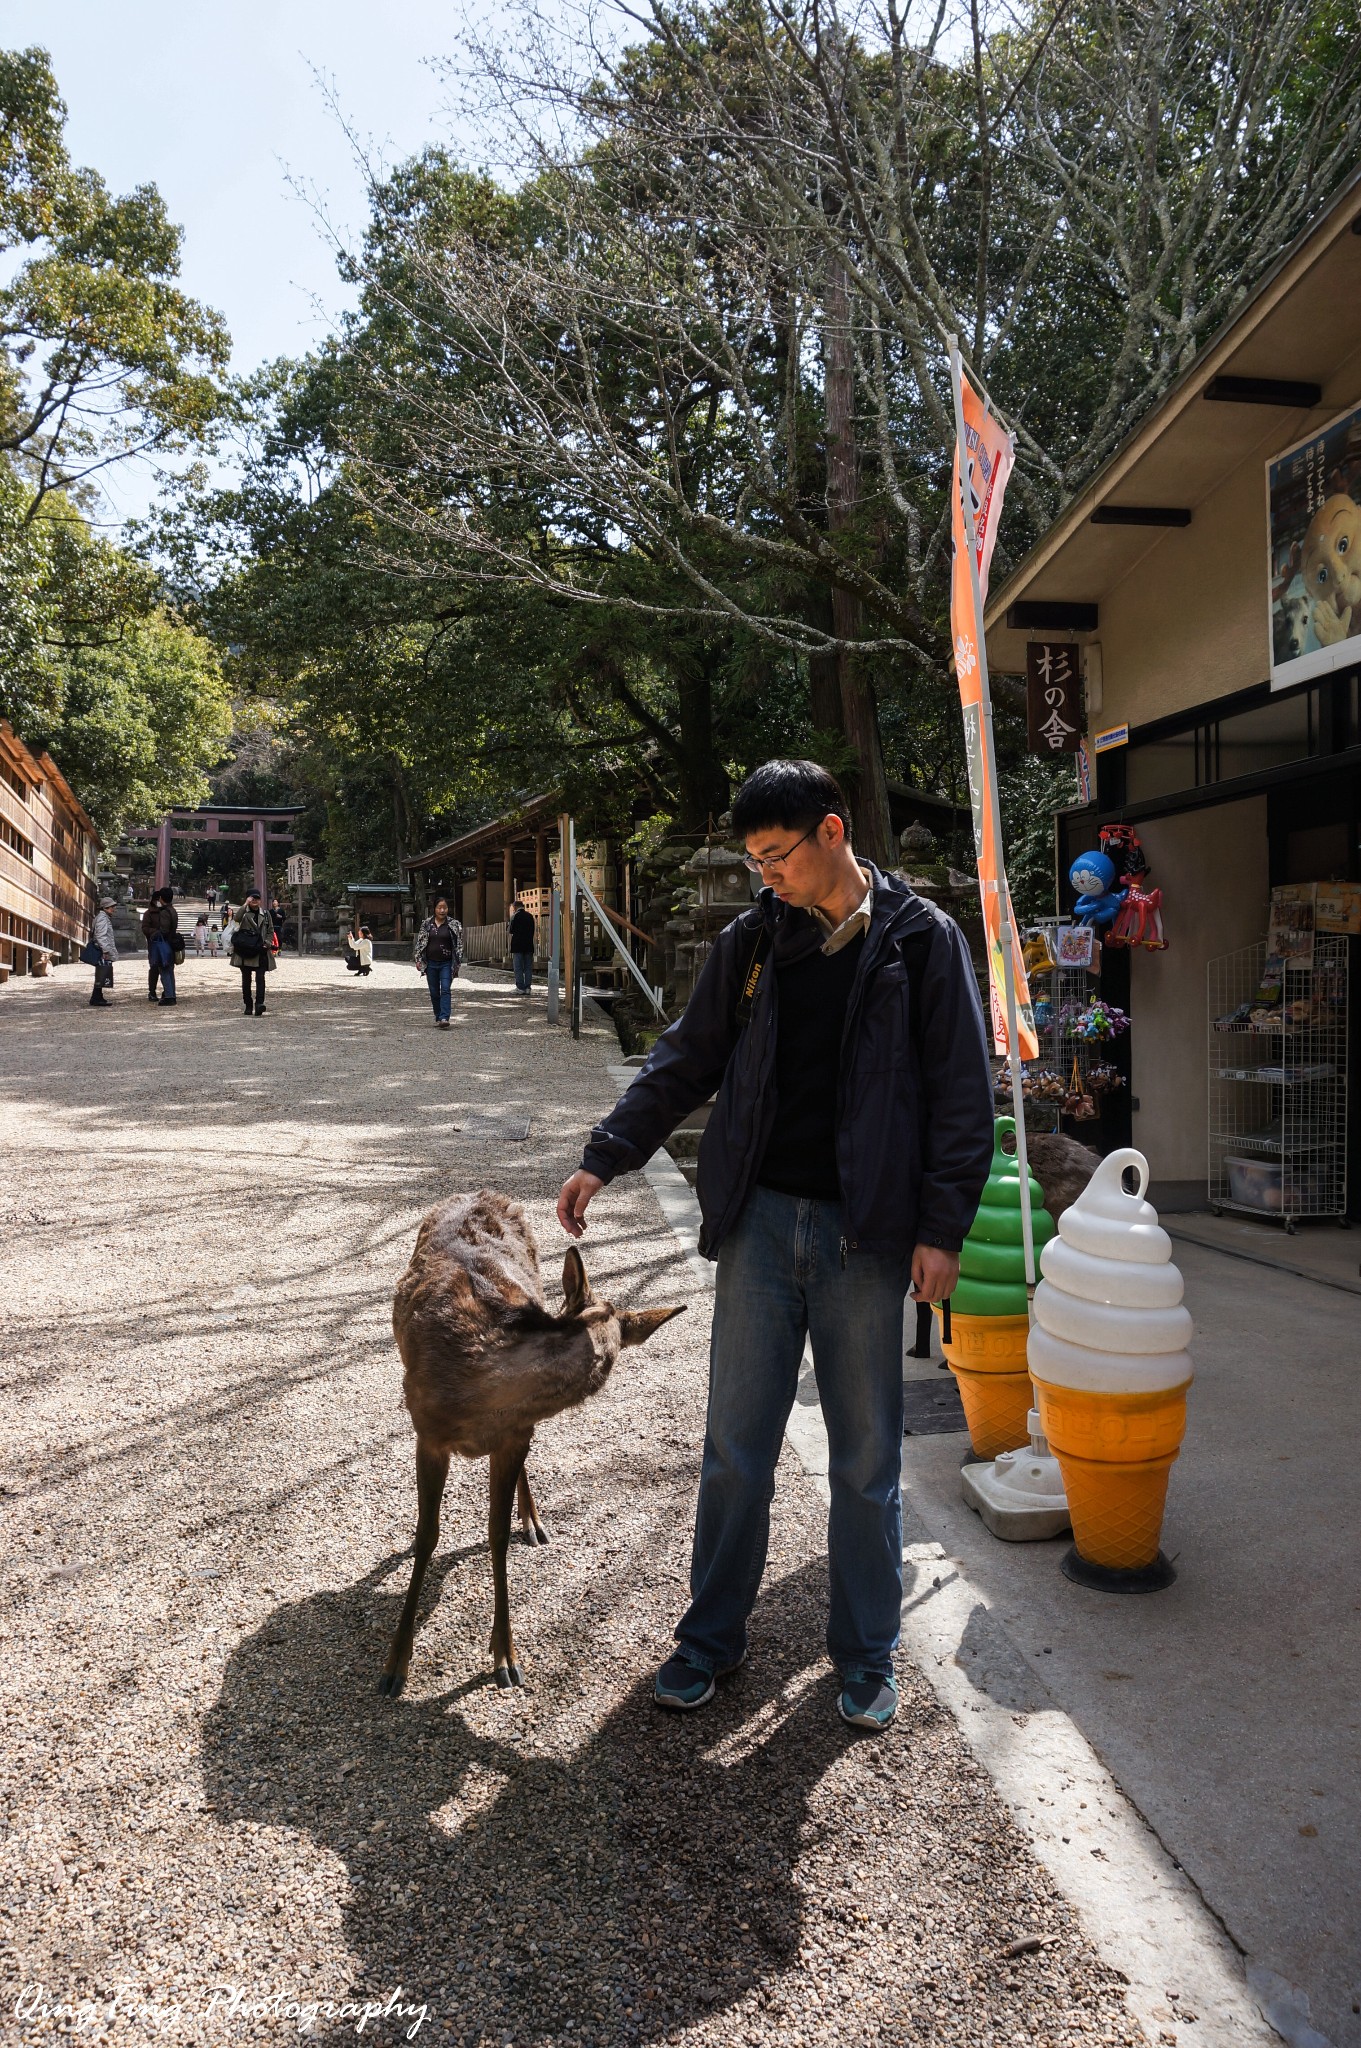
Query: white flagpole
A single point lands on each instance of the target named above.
(999, 863)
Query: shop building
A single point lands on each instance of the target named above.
(1228, 707)
(48, 854)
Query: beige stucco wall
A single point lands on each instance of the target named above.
(1189, 621)
(1214, 866)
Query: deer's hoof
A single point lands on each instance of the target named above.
(508, 1676)
(391, 1683)
(534, 1534)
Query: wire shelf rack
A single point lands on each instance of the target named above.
(1278, 1084)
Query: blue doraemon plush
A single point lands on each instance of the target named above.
(1098, 901)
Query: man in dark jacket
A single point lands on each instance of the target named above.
(522, 947)
(839, 1022)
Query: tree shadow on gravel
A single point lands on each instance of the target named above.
(513, 1866)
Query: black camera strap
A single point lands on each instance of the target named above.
(751, 980)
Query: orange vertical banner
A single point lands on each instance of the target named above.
(989, 462)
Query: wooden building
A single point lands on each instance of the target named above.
(48, 853)
(481, 871)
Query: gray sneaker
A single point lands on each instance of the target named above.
(683, 1686)
(868, 1702)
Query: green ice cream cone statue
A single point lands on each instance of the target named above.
(989, 1316)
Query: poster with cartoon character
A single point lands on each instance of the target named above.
(1313, 496)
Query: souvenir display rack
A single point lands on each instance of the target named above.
(1278, 1083)
(1056, 995)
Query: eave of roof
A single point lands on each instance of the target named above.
(514, 825)
(1121, 544)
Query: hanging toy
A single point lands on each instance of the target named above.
(1122, 848)
(1099, 901)
(1139, 920)
(1097, 1020)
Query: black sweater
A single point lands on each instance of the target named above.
(812, 995)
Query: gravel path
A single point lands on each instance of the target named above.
(209, 1816)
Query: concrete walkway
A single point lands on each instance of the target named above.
(212, 1822)
(1229, 1707)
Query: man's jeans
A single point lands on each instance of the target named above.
(780, 1277)
(439, 979)
(524, 972)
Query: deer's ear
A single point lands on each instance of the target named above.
(636, 1325)
(576, 1288)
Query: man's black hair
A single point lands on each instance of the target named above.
(794, 795)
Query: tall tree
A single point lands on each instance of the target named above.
(102, 356)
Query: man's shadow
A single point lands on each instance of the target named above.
(509, 1875)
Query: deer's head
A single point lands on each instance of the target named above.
(611, 1329)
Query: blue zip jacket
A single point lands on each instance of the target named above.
(914, 1095)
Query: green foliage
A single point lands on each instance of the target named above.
(141, 721)
(101, 354)
(1032, 789)
(556, 507)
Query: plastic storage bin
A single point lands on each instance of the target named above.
(1266, 1184)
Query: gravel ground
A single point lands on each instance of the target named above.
(210, 1818)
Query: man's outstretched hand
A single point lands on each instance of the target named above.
(934, 1272)
(576, 1193)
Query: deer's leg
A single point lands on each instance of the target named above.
(531, 1526)
(506, 1467)
(432, 1469)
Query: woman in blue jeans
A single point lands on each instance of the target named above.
(439, 954)
(160, 924)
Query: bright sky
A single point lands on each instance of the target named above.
(215, 102)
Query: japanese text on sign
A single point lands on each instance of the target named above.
(1053, 697)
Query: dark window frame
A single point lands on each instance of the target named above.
(1333, 731)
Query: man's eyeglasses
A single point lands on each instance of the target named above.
(772, 863)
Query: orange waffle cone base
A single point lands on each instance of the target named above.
(1115, 1452)
(996, 1405)
(986, 1343)
(986, 1354)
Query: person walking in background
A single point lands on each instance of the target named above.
(101, 935)
(201, 934)
(838, 1019)
(439, 954)
(253, 950)
(522, 947)
(212, 896)
(161, 924)
(276, 920)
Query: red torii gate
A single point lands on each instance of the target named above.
(265, 823)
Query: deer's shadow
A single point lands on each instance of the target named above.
(513, 1865)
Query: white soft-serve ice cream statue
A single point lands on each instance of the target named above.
(1108, 1357)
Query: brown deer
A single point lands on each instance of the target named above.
(484, 1361)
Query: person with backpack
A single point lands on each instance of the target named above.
(843, 1161)
(439, 955)
(522, 947)
(253, 950)
(164, 950)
